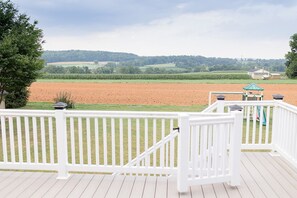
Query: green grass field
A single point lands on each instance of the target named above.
(219, 81)
(117, 107)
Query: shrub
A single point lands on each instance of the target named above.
(17, 99)
(65, 97)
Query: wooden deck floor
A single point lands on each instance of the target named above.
(262, 176)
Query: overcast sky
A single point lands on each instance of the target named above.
(212, 28)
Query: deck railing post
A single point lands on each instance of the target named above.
(61, 144)
(275, 127)
(235, 148)
(221, 106)
(183, 153)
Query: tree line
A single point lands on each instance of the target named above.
(56, 69)
(190, 63)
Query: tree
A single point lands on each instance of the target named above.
(291, 58)
(20, 52)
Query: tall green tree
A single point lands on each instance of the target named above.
(20, 52)
(291, 58)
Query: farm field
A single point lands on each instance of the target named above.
(176, 94)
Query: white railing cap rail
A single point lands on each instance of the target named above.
(121, 114)
(248, 103)
(286, 106)
(211, 107)
(24, 112)
(136, 114)
(212, 120)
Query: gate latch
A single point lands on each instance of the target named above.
(176, 128)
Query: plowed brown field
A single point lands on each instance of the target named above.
(149, 93)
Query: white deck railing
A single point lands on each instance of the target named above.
(203, 151)
(257, 123)
(268, 125)
(285, 131)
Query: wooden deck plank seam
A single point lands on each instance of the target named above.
(262, 176)
(55, 184)
(6, 176)
(121, 186)
(98, 186)
(86, 186)
(25, 183)
(243, 180)
(75, 186)
(46, 180)
(109, 186)
(286, 166)
(45, 184)
(277, 166)
(18, 175)
(142, 187)
(252, 176)
(281, 179)
(270, 175)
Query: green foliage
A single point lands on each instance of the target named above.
(17, 98)
(128, 70)
(104, 70)
(82, 55)
(20, 51)
(65, 97)
(196, 76)
(291, 58)
(186, 63)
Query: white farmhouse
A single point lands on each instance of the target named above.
(259, 74)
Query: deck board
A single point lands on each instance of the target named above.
(115, 187)
(13, 187)
(262, 175)
(18, 190)
(92, 186)
(220, 190)
(268, 176)
(126, 187)
(161, 187)
(81, 186)
(150, 187)
(57, 187)
(137, 190)
(104, 186)
(260, 180)
(278, 175)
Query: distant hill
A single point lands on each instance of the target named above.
(195, 63)
(88, 56)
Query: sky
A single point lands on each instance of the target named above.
(211, 28)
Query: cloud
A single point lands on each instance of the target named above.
(258, 31)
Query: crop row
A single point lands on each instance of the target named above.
(199, 76)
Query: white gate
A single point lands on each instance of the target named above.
(209, 150)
